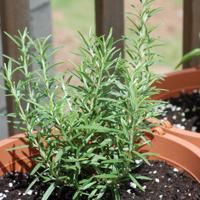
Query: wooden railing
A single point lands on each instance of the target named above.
(109, 13)
(191, 29)
(14, 16)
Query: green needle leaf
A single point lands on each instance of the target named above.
(49, 191)
(189, 56)
(17, 148)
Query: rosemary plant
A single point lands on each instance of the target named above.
(88, 135)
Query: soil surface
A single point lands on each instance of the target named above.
(183, 111)
(167, 183)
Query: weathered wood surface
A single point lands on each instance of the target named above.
(110, 14)
(191, 29)
(14, 16)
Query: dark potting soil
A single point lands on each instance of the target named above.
(183, 111)
(167, 183)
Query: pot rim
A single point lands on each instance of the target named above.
(160, 144)
(187, 80)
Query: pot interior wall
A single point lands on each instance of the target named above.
(177, 82)
(18, 159)
(172, 149)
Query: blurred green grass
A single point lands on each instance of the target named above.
(171, 51)
(79, 16)
(178, 2)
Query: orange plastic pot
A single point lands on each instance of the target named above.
(174, 83)
(180, 81)
(171, 149)
(20, 159)
(177, 152)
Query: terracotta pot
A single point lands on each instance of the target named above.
(174, 83)
(172, 149)
(177, 152)
(16, 160)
